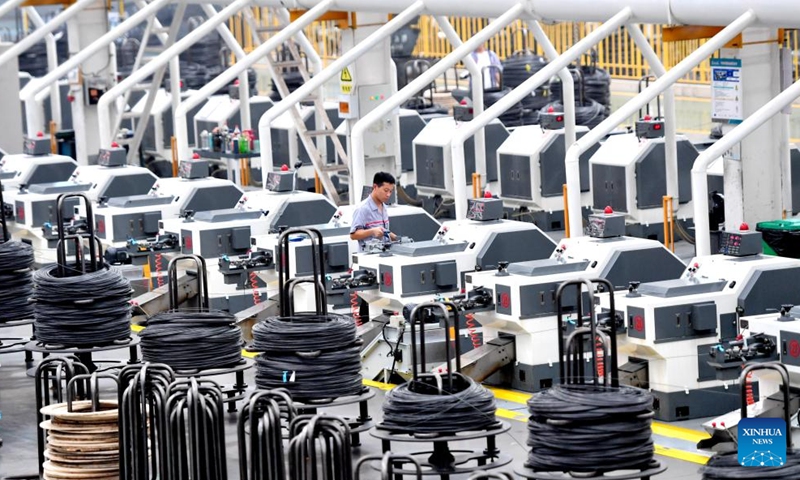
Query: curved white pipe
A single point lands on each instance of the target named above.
(52, 63)
(515, 96)
(357, 156)
(181, 129)
(648, 94)
(8, 6)
(106, 101)
(28, 93)
(23, 45)
(477, 94)
(771, 13)
(700, 167)
(264, 130)
(670, 120)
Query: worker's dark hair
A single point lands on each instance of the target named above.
(382, 177)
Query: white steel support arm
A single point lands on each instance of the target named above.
(567, 83)
(477, 93)
(634, 104)
(28, 93)
(244, 82)
(357, 155)
(52, 63)
(181, 128)
(23, 45)
(515, 96)
(670, 114)
(264, 129)
(700, 167)
(107, 100)
(8, 6)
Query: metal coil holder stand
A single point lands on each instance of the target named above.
(93, 263)
(265, 416)
(572, 370)
(195, 431)
(442, 460)
(143, 421)
(387, 467)
(233, 393)
(320, 448)
(286, 288)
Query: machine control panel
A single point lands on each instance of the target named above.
(36, 146)
(280, 181)
(551, 120)
(606, 225)
(112, 157)
(191, 169)
(740, 243)
(484, 209)
(649, 128)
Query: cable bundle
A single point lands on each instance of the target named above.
(314, 357)
(187, 340)
(81, 309)
(520, 67)
(16, 258)
(725, 466)
(588, 114)
(511, 117)
(422, 407)
(597, 86)
(584, 428)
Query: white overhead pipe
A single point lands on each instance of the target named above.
(106, 101)
(28, 93)
(730, 139)
(670, 120)
(477, 92)
(244, 83)
(52, 63)
(357, 156)
(647, 95)
(181, 129)
(23, 45)
(514, 97)
(8, 6)
(264, 130)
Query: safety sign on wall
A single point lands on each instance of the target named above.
(726, 90)
(346, 81)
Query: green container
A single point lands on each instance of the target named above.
(781, 237)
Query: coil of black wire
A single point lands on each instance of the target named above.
(16, 258)
(315, 357)
(589, 113)
(422, 406)
(726, 466)
(88, 309)
(583, 428)
(519, 67)
(192, 340)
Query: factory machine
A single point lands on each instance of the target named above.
(672, 325)
(628, 173)
(413, 223)
(223, 237)
(36, 205)
(434, 167)
(532, 171)
(523, 296)
(35, 165)
(160, 130)
(409, 273)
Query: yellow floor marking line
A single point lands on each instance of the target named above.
(681, 455)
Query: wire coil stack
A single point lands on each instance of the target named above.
(314, 357)
(187, 340)
(85, 303)
(16, 259)
(320, 442)
(726, 466)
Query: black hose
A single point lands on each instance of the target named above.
(420, 406)
(187, 340)
(583, 428)
(88, 309)
(314, 357)
(725, 466)
(16, 259)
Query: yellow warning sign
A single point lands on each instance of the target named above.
(346, 82)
